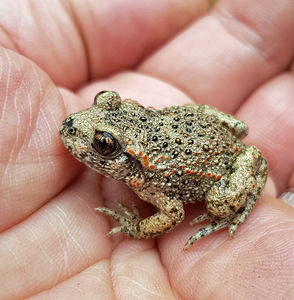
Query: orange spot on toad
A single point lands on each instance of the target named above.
(146, 163)
(131, 151)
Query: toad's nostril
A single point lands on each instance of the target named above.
(72, 130)
(67, 127)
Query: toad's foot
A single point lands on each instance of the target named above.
(216, 225)
(133, 225)
(127, 219)
(208, 229)
(230, 201)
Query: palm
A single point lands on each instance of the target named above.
(52, 243)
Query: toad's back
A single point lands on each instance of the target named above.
(183, 150)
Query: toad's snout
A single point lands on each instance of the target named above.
(67, 128)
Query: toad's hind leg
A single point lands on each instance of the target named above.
(243, 213)
(230, 200)
(237, 127)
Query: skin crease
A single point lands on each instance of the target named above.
(238, 57)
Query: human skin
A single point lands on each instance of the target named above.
(237, 56)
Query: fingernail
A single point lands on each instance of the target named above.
(288, 197)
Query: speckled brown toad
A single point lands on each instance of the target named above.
(169, 157)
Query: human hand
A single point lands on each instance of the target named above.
(52, 243)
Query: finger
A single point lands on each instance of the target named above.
(91, 39)
(134, 269)
(90, 283)
(60, 240)
(34, 164)
(137, 270)
(48, 36)
(224, 56)
(269, 114)
(259, 255)
(146, 90)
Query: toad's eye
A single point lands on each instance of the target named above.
(104, 143)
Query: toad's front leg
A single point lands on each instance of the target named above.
(171, 213)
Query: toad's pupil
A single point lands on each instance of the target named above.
(104, 143)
